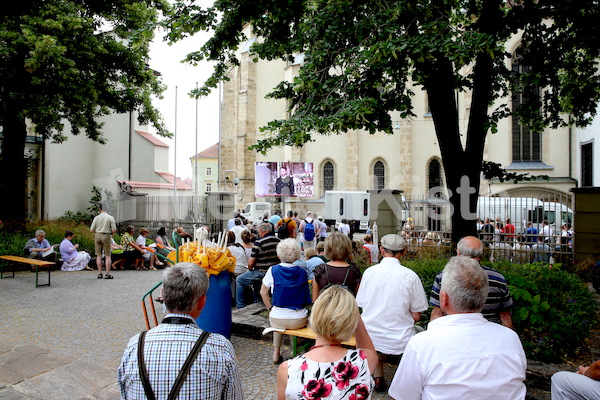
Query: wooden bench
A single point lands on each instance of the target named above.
(30, 261)
(308, 333)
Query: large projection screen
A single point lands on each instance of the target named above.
(276, 179)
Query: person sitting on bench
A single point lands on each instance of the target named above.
(36, 247)
(73, 260)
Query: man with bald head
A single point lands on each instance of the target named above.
(498, 303)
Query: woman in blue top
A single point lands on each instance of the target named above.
(288, 285)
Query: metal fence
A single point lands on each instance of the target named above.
(534, 228)
(521, 229)
(170, 211)
(154, 211)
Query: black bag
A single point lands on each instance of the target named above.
(284, 231)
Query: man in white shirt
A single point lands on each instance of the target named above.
(392, 298)
(344, 227)
(547, 232)
(462, 355)
(237, 229)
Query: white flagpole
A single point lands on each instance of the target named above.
(175, 158)
(196, 156)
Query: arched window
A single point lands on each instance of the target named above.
(328, 176)
(379, 175)
(526, 144)
(434, 174)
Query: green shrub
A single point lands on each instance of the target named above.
(554, 310)
(77, 218)
(12, 243)
(427, 269)
(55, 233)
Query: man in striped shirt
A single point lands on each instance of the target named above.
(213, 374)
(262, 257)
(498, 303)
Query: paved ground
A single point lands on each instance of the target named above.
(65, 341)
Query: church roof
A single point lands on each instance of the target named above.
(152, 139)
(211, 152)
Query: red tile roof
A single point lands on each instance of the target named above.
(169, 177)
(155, 185)
(211, 152)
(152, 139)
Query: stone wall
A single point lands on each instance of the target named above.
(586, 218)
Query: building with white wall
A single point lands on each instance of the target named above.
(205, 170)
(131, 159)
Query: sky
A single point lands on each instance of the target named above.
(166, 60)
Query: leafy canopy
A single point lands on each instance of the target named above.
(68, 60)
(362, 58)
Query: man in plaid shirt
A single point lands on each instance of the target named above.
(213, 375)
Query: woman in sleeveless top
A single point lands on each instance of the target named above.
(329, 370)
(338, 249)
(161, 238)
(288, 285)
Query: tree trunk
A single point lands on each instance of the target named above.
(13, 167)
(462, 164)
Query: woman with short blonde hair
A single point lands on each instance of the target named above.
(338, 249)
(335, 315)
(328, 369)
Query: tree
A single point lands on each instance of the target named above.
(70, 61)
(363, 57)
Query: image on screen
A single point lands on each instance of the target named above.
(275, 179)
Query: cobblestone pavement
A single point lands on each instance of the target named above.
(87, 322)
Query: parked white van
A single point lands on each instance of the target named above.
(254, 211)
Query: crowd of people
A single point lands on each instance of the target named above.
(469, 349)
(307, 274)
(503, 242)
(139, 253)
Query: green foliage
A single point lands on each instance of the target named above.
(12, 243)
(554, 310)
(76, 218)
(71, 62)
(494, 170)
(95, 201)
(364, 60)
(361, 58)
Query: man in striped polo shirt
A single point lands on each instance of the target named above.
(498, 303)
(263, 256)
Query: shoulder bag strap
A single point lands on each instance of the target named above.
(327, 273)
(187, 365)
(183, 373)
(142, 368)
(346, 277)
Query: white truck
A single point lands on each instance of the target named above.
(365, 207)
(255, 211)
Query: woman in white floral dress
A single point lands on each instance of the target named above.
(73, 260)
(329, 371)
